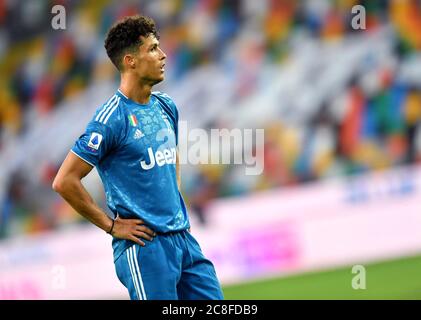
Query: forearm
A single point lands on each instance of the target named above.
(68, 184)
(78, 197)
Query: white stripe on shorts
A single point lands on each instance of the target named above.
(138, 273)
(133, 273)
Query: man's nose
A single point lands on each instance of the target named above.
(163, 55)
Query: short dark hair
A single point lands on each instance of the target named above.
(124, 36)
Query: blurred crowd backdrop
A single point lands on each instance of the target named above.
(333, 100)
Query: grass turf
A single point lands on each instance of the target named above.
(397, 279)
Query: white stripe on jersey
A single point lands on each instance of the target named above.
(122, 94)
(112, 110)
(109, 111)
(113, 98)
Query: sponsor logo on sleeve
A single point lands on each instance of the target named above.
(95, 141)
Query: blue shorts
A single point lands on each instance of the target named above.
(170, 267)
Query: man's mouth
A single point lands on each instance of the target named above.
(162, 67)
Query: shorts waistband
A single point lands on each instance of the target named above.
(168, 233)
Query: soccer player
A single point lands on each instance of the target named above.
(132, 141)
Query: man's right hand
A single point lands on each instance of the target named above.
(132, 229)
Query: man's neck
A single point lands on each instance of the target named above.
(132, 89)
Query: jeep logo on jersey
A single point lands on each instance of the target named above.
(166, 156)
(95, 140)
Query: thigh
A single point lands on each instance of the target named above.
(198, 279)
(149, 272)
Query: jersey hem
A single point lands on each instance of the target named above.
(82, 158)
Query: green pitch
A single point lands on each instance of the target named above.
(397, 279)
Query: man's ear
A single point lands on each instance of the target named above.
(129, 61)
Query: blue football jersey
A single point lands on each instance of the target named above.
(133, 147)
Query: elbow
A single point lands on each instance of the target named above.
(58, 185)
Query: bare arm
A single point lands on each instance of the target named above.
(68, 184)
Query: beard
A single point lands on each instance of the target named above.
(156, 81)
(153, 80)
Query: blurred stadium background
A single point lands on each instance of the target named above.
(341, 110)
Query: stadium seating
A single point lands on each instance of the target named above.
(332, 100)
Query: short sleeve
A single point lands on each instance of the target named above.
(95, 143)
